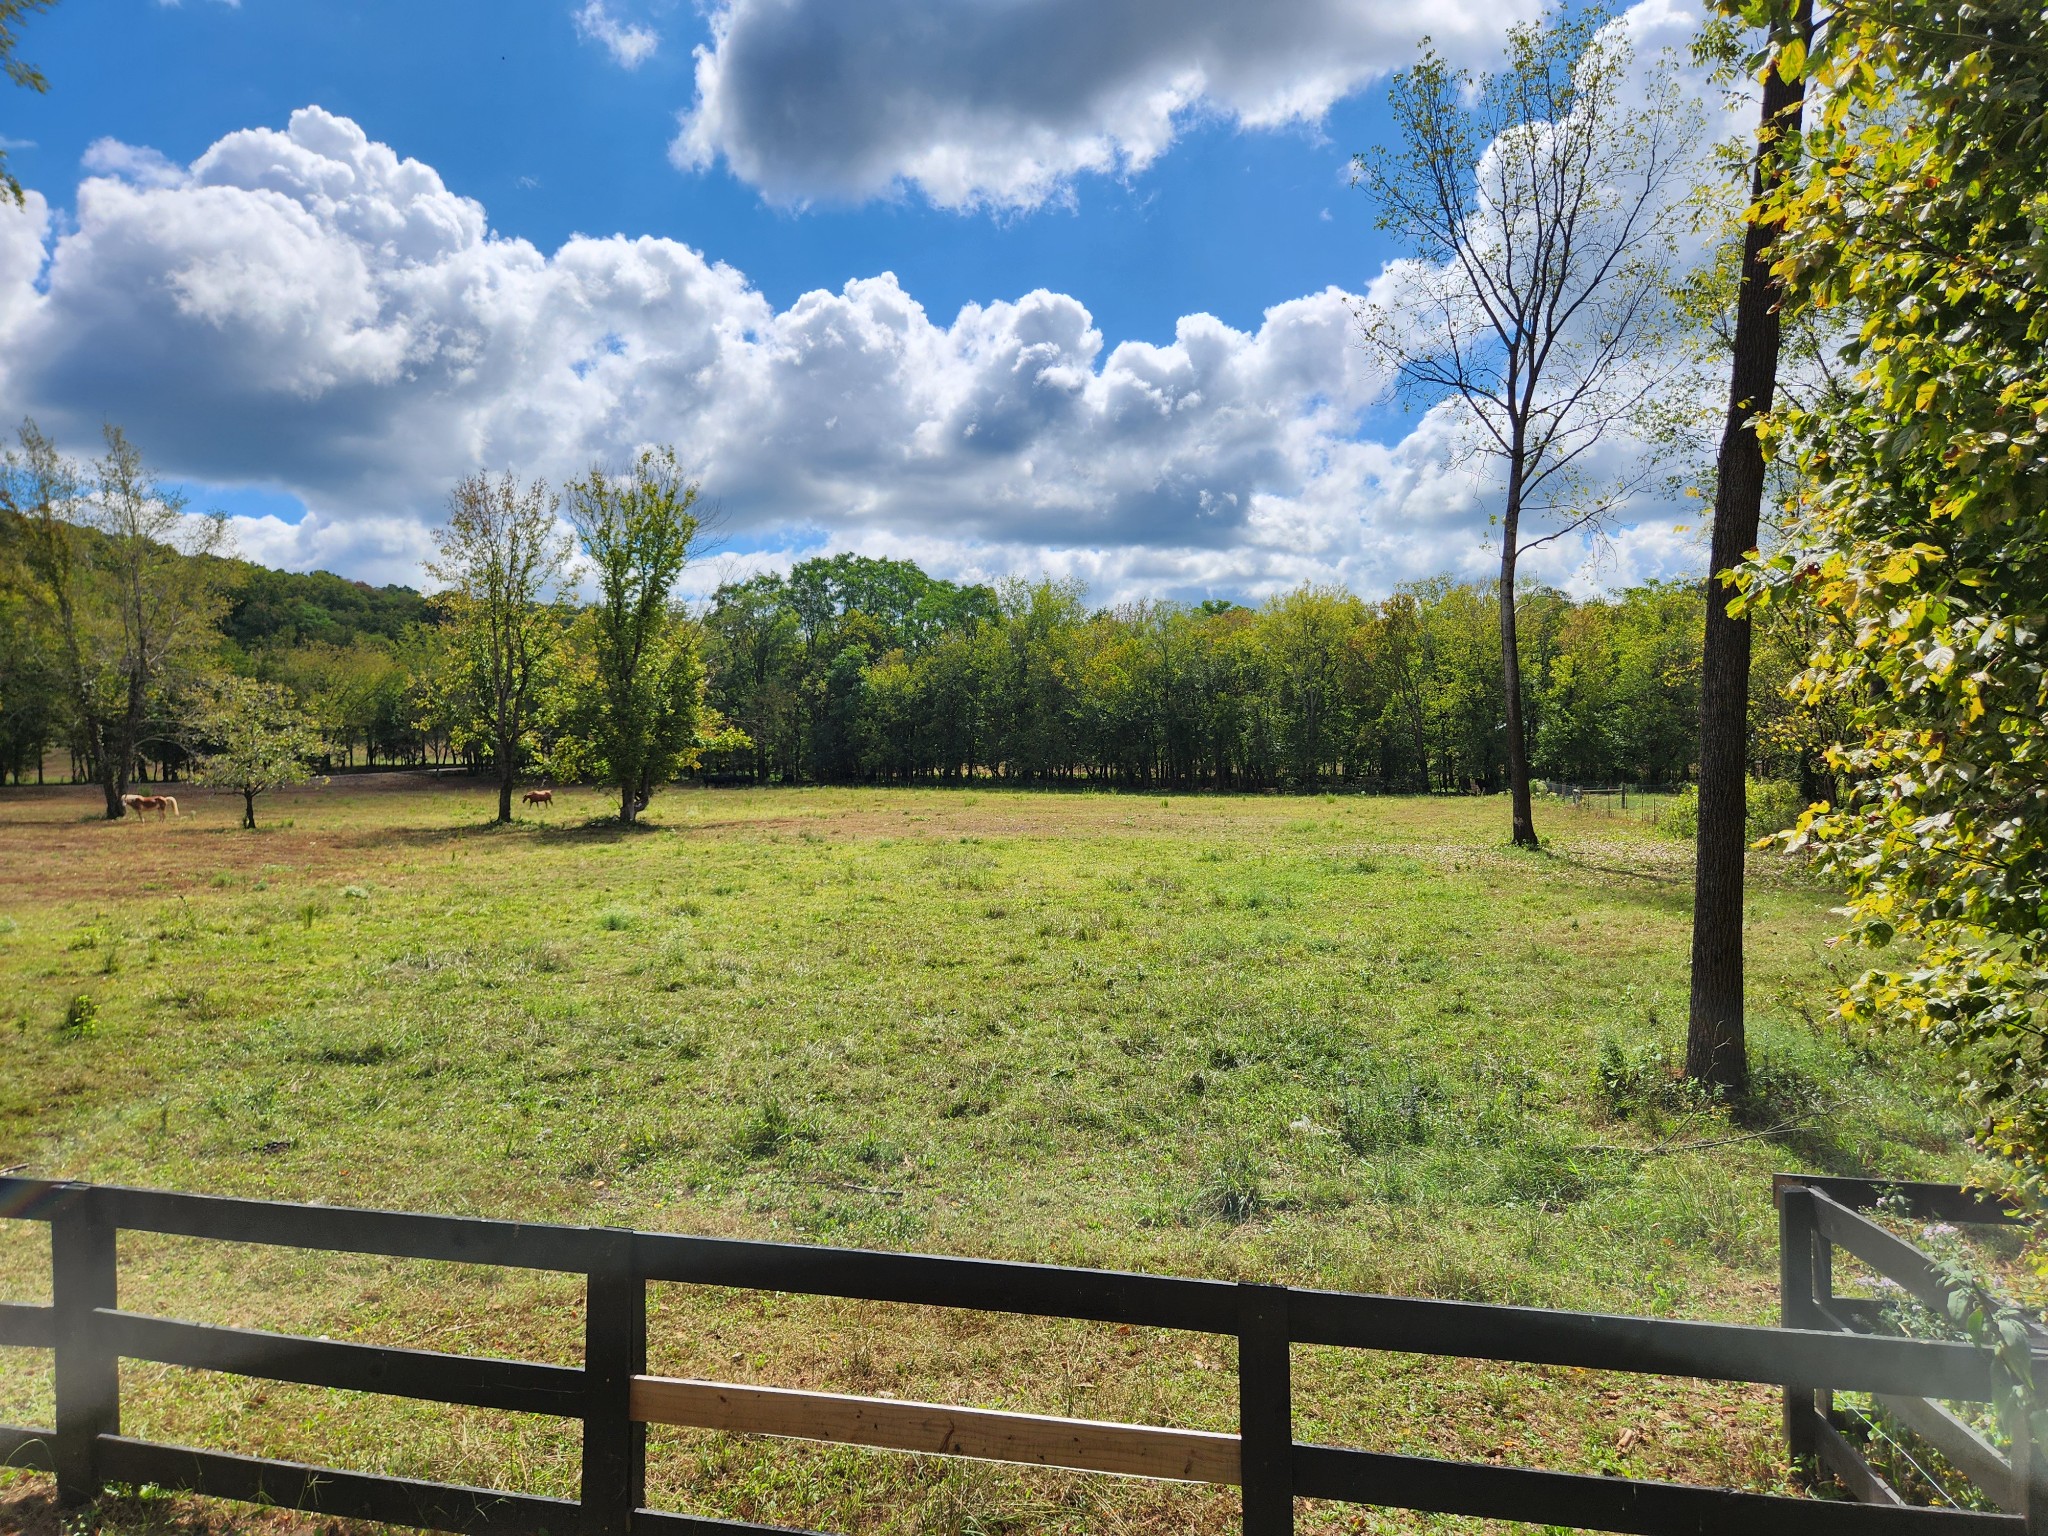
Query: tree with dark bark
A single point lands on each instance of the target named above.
(1535, 201)
(107, 556)
(500, 552)
(1716, 1051)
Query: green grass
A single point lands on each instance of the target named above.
(1344, 1042)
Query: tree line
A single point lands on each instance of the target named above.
(563, 655)
(856, 670)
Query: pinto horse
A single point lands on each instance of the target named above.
(539, 797)
(158, 803)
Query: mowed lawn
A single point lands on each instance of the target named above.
(1347, 1042)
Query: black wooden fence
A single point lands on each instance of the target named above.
(1817, 1216)
(615, 1399)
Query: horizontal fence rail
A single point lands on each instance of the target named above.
(615, 1398)
(1816, 1217)
(939, 1429)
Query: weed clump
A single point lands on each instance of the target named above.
(81, 1015)
(194, 1000)
(354, 1053)
(1644, 1082)
(651, 1146)
(547, 958)
(1391, 1109)
(872, 1151)
(769, 1131)
(1233, 1187)
(1546, 1173)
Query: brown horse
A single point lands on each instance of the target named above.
(539, 797)
(158, 803)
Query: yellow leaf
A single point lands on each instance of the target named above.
(1902, 567)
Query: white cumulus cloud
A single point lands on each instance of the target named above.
(1004, 105)
(305, 309)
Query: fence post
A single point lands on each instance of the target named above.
(614, 1352)
(1265, 1410)
(82, 1277)
(1797, 1307)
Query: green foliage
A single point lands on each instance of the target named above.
(81, 1015)
(1918, 218)
(269, 610)
(255, 739)
(635, 716)
(22, 74)
(1773, 806)
(1313, 688)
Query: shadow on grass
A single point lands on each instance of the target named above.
(595, 829)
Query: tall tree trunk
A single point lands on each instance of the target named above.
(1716, 1051)
(504, 786)
(249, 810)
(1511, 667)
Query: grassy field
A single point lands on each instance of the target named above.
(1348, 1042)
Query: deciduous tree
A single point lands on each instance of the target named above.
(254, 738)
(107, 559)
(637, 531)
(1716, 1051)
(500, 553)
(1536, 202)
(1920, 538)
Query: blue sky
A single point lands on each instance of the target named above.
(978, 152)
(514, 108)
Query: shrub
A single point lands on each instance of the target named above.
(81, 1015)
(1773, 806)
(1644, 1080)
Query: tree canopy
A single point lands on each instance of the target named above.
(1919, 546)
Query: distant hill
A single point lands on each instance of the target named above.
(268, 608)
